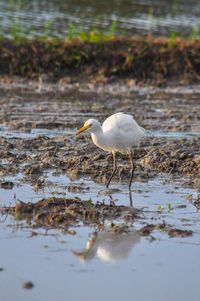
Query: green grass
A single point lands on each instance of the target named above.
(195, 31)
(16, 29)
(94, 212)
(172, 39)
(17, 32)
(94, 35)
(74, 32)
(150, 18)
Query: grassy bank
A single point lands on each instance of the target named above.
(143, 60)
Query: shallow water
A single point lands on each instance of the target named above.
(168, 268)
(133, 17)
(114, 265)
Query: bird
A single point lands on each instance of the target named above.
(118, 133)
(108, 246)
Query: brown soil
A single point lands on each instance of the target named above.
(28, 158)
(82, 159)
(78, 156)
(149, 60)
(63, 213)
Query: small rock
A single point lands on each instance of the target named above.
(180, 233)
(28, 285)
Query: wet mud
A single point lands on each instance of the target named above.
(143, 60)
(63, 213)
(170, 147)
(28, 285)
(38, 122)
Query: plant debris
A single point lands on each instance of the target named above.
(149, 60)
(63, 213)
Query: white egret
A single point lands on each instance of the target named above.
(109, 246)
(119, 133)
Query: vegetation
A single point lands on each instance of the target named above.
(75, 32)
(93, 35)
(99, 54)
(142, 60)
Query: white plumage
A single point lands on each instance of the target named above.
(119, 132)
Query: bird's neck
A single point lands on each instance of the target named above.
(98, 138)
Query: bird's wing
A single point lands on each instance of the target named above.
(123, 130)
(119, 122)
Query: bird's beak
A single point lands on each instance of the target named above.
(84, 128)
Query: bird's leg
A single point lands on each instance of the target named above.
(114, 169)
(132, 170)
(130, 199)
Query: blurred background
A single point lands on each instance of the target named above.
(56, 18)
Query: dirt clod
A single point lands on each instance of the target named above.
(177, 232)
(62, 212)
(28, 285)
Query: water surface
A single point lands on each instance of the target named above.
(115, 266)
(133, 17)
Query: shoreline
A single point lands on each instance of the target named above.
(148, 61)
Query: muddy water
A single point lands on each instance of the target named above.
(133, 17)
(40, 159)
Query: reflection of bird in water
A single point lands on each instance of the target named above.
(119, 132)
(109, 246)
